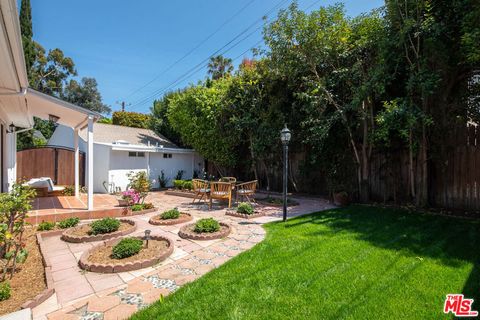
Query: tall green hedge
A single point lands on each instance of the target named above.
(131, 119)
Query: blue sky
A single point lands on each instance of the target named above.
(126, 44)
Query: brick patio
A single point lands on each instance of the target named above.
(86, 295)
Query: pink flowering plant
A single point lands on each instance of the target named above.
(132, 196)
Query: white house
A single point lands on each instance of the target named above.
(19, 104)
(119, 150)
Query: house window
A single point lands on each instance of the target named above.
(136, 154)
(167, 155)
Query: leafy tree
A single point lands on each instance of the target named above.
(200, 116)
(85, 94)
(27, 139)
(159, 119)
(330, 60)
(51, 71)
(131, 119)
(27, 34)
(219, 66)
(105, 120)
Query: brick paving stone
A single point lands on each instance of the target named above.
(61, 315)
(96, 304)
(181, 280)
(202, 254)
(201, 270)
(154, 295)
(138, 286)
(120, 312)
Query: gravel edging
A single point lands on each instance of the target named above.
(186, 233)
(255, 214)
(99, 237)
(50, 290)
(126, 266)
(168, 222)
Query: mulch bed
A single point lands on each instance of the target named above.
(158, 221)
(29, 279)
(187, 232)
(98, 258)
(81, 233)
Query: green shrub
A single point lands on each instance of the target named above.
(183, 184)
(127, 247)
(187, 185)
(105, 225)
(245, 208)
(141, 206)
(68, 191)
(171, 214)
(147, 206)
(5, 291)
(131, 119)
(69, 223)
(207, 225)
(45, 226)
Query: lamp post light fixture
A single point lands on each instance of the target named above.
(147, 236)
(285, 136)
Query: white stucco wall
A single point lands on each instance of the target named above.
(121, 164)
(101, 160)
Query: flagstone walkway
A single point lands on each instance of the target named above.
(87, 295)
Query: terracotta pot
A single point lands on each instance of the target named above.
(122, 202)
(340, 199)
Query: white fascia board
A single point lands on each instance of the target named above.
(118, 147)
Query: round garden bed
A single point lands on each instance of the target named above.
(158, 221)
(234, 213)
(99, 258)
(82, 233)
(187, 232)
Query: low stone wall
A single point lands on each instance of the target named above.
(186, 232)
(68, 237)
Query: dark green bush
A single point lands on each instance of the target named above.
(183, 184)
(105, 225)
(127, 247)
(68, 223)
(45, 226)
(5, 291)
(245, 208)
(171, 214)
(206, 225)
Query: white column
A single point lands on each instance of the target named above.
(11, 155)
(77, 163)
(90, 163)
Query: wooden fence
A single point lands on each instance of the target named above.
(55, 162)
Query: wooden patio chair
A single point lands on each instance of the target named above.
(221, 191)
(228, 179)
(201, 189)
(247, 190)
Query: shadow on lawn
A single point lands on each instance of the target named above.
(453, 241)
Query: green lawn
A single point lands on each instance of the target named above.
(356, 263)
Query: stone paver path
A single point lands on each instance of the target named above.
(86, 295)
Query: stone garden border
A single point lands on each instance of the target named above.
(255, 214)
(124, 266)
(50, 290)
(168, 222)
(66, 236)
(186, 233)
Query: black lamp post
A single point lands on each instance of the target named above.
(285, 136)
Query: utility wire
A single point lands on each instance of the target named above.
(159, 91)
(192, 50)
